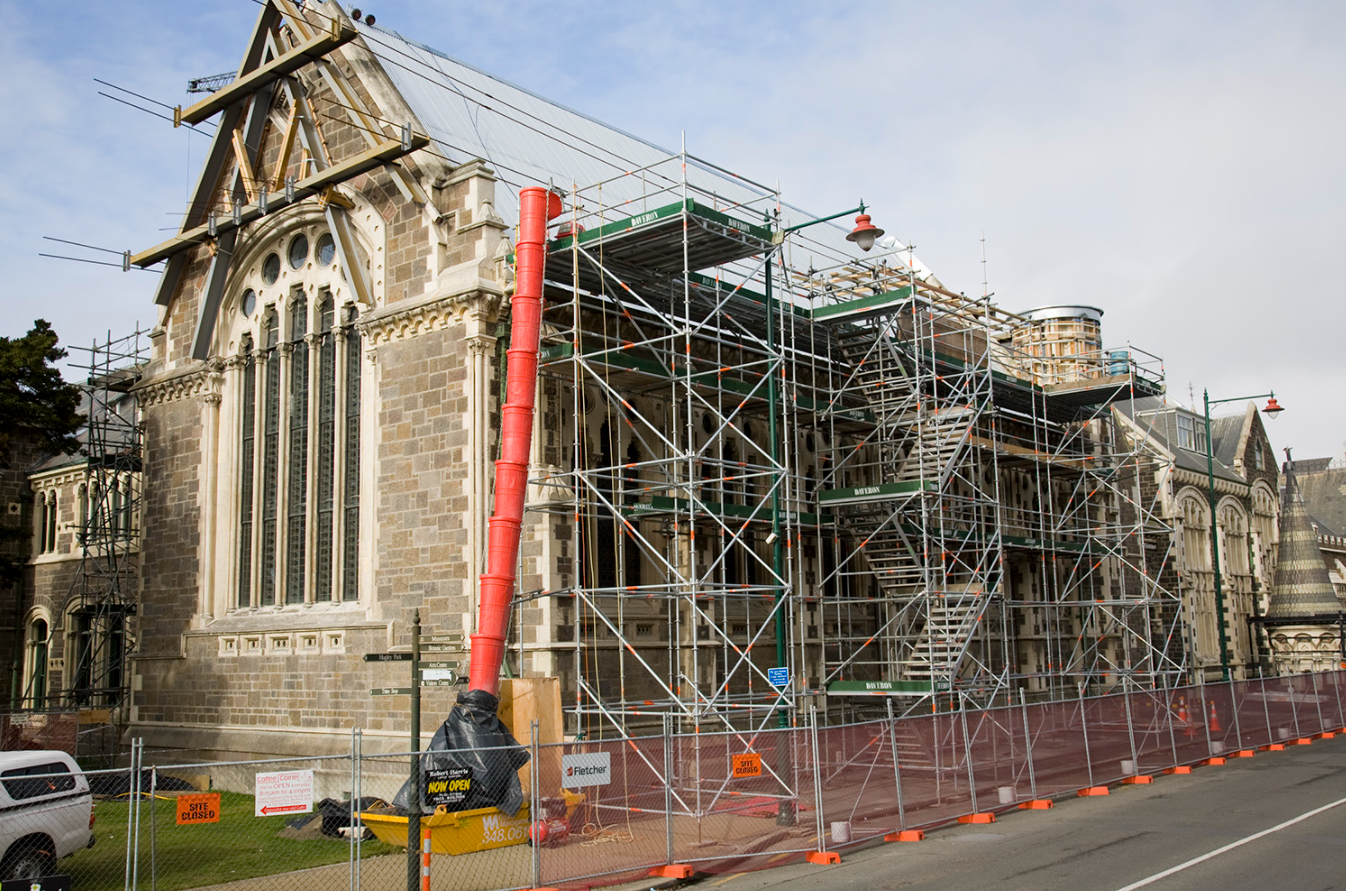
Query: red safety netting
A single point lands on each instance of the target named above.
(741, 800)
(1057, 747)
(605, 806)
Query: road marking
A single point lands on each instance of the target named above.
(1231, 846)
(730, 879)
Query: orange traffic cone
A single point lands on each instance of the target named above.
(1182, 716)
(1214, 719)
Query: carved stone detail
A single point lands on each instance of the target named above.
(433, 315)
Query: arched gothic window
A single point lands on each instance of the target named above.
(35, 664)
(1195, 533)
(46, 528)
(298, 491)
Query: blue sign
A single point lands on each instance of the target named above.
(778, 677)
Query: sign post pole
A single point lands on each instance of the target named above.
(414, 787)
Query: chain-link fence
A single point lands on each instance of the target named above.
(57, 730)
(593, 812)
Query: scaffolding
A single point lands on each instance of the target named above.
(784, 476)
(102, 605)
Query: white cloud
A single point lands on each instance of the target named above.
(1176, 164)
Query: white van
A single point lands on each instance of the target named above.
(46, 812)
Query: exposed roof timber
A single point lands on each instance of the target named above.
(213, 293)
(383, 153)
(220, 151)
(353, 105)
(369, 127)
(248, 148)
(337, 220)
(308, 51)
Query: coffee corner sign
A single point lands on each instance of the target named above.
(284, 792)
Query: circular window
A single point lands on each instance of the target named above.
(249, 302)
(326, 251)
(298, 251)
(271, 269)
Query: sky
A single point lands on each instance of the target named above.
(1177, 164)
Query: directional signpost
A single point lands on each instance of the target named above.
(431, 673)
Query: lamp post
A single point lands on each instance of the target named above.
(863, 236)
(1271, 410)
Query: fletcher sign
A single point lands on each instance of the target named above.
(587, 769)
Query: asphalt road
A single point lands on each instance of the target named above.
(1275, 821)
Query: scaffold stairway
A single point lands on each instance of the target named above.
(937, 651)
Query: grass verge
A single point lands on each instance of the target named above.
(172, 857)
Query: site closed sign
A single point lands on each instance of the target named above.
(747, 764)
(586, 769)
(198, 809)
(284, 792)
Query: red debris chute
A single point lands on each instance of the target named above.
(537, 206)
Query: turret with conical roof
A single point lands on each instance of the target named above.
(1301, 586)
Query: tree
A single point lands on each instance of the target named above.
(34, 400)
(38, 407)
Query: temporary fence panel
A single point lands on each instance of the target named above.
(474, 846)
(1152, 730)
(933, 768)
(1250, 714)
(39, 730)
(743, 797)
(1109, 732)
(998, 766)
(858, 786)
(602, 808)
(1057, 735)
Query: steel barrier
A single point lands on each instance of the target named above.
(597, 812)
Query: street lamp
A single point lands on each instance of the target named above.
(1272, 410)
(863, 235)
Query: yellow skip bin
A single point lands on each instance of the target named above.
(455, 832)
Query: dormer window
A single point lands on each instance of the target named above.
(1191, 434)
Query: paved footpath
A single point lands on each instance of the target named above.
(1275, 821)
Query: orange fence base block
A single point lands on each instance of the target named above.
(977, 818)
(673, 871)
(1213, 762)
(1243, 753)
(1326, 734)
(1040, 804)
(1092, 791)
(1180, 769)
(1302, 742)
(906, 835)
(823, 858)
(1274, 747)
(1137, 781)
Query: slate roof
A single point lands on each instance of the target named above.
(1160, 422)
(529, 139)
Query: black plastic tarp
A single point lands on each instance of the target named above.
(474, 737)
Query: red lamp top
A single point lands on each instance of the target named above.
(864, 232)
